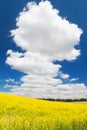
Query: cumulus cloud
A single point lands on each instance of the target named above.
(44, 36)
(61, 91)
(40, 80)
(41, 29)
(32, 63)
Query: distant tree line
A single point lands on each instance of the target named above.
(65, 100)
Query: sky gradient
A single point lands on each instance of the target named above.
(38, 47)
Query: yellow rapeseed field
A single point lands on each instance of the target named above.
(20, 113)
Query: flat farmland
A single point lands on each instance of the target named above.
(21, 113)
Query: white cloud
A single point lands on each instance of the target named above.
(10, 86)
(73, 79)
(64, 76)
(32, 63)
(11, 81)
(40, 80)
(45, 36)
(40, 29)
(40, 71)
(61, 91)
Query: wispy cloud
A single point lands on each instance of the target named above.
(10, 86)
(73, 79)
(9, 80)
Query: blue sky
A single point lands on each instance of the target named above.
(74, 12)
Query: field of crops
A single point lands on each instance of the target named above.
(20, 113)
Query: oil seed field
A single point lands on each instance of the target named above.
(21, 113)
